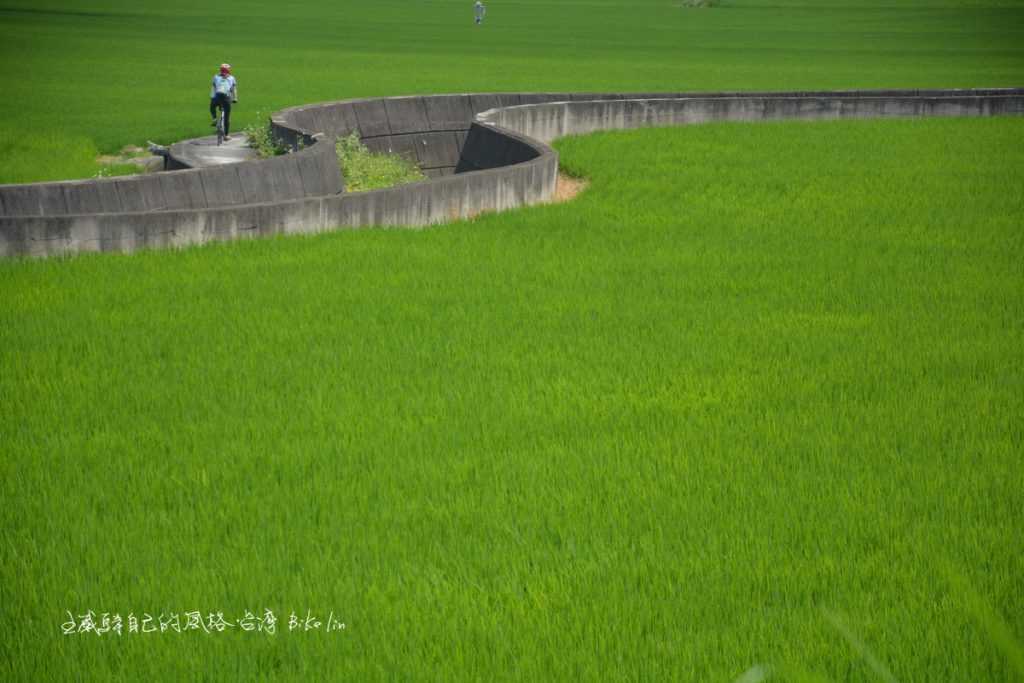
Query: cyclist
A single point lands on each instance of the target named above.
(223, 92)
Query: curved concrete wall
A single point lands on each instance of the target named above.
(429, 130)
(485, 152)
(432, 130)
(309, 173)
(436, 201)
(546, 122)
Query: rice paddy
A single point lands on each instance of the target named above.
(750, 406)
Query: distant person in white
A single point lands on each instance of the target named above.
(479, 11)
(223, 91)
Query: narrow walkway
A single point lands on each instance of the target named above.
(202, 152)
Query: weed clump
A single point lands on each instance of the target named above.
(365, 170)
(261, 138)
(113, 170)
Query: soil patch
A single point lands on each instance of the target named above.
(567, 187)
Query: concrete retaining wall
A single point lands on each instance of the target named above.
(431, 130)
(422, 203)
(310, 172)
(483, 153)
(546, 122)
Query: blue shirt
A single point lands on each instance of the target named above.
(222, 84)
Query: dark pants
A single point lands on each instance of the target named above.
(224, 102)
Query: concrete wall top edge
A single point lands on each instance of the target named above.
(187, 161)
(370, 129)
(670, 95)
(487, 115)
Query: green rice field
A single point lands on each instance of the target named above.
(747, 409)
(117, 72)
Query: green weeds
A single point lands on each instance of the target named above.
(260, 137)
(111, 170)
(365, 170)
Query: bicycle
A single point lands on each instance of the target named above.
(220, 125)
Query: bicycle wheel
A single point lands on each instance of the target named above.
(220, 127)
